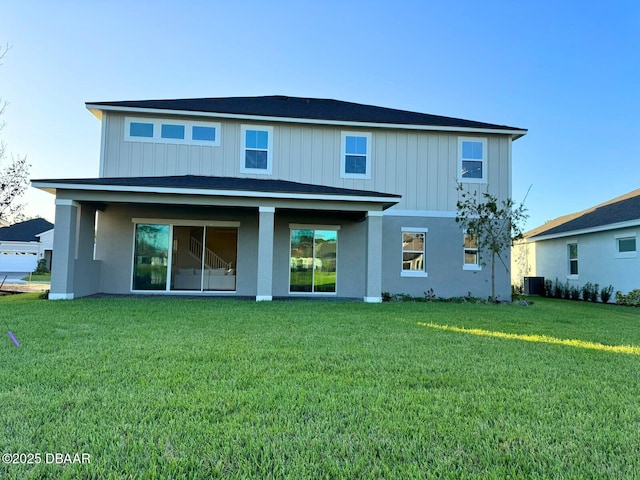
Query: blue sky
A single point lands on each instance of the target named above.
(568, 71)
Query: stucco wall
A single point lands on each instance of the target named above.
(597, 260)
(443, 263)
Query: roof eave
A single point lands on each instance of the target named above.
(583, 231)
(97, 110)
(52, 187)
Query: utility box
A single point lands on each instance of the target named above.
(534, 285)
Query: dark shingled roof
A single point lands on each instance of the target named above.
(220, 183)
(620, 209)
(309, 108)
(25, 231)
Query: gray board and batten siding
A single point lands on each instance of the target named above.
(421, 166)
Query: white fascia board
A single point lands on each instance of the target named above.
(97, 111)
(392, 212)
(573, 233)
(215, 193)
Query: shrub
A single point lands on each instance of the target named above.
(631, 299)
(558, 289)
(605, 293)
(548, 288)
(574, 292)
(586, 291)
(594, 293)
(41, 268)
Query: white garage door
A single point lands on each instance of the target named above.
(18, 261)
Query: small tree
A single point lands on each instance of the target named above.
(495, 224)
(14, 177)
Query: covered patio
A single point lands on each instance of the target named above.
(279, 238)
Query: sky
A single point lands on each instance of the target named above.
(568, 71)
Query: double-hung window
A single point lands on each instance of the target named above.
(471, 257)
(572, 252)
(256, 151)
(472, 160)
(355, 155)
(413, 252)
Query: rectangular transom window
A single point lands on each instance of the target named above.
(472, 160)
(626, 246)
(256, 151)
(413, 252)
(141, 129)
(355, 159)
(171, 131)
(313, 260)
(572, 250)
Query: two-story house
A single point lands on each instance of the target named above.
(276, 197)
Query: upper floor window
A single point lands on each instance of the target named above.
(472, 160)
(171, 131)
(572, 251)
(257, 149)
(355, 156)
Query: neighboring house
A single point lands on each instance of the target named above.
(23, 244)
(597, 245)
(276, 197)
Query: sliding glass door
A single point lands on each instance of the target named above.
(185, 257)
(151, 255)
(313, 261)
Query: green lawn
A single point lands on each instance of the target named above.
(204, 388)
(40, 277)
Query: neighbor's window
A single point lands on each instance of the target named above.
(472, 160)
(175, 131)
(413, 252)
(355, 160)
(471, 257)
(626, 247)
(572, 249)
(256, 149)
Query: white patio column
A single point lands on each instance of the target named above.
(373, 278)
(64, 250)
(265, 253)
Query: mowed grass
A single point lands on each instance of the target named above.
(205, 388)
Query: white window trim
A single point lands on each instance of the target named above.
(157, 131)
(572, 276)
(623, 236)
(258, 171)
(473, 267)
(484, 160)
(414, 273)
(343, 153)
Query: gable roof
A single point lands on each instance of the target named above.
(620, 210)
(297, 108)
(26, 231)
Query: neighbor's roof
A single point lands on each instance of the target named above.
(616, 212)
(26, 231)
(318, 110)
(206, 185)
